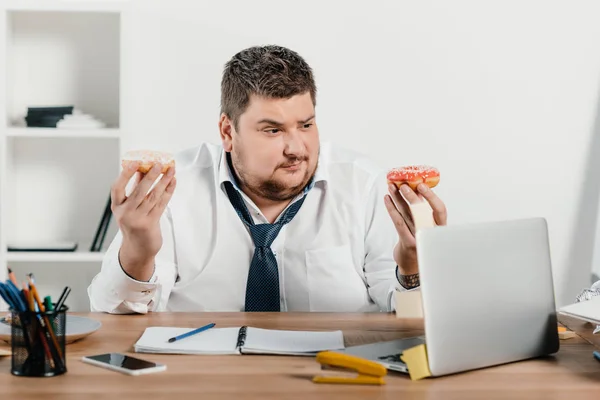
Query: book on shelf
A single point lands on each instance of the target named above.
(102, 228)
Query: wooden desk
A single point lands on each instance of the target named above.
(573, 373)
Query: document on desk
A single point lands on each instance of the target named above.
(588, 310)
(242, 340)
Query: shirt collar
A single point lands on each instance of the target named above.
(226, 175)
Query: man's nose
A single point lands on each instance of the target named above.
(294, 146)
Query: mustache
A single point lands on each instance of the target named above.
(292, 161)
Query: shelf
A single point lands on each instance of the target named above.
(72, 177)
(59, 5)
(63, 59)
(61, 133)
(76, 256)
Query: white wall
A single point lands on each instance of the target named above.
(502, 96)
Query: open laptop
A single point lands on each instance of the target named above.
(487, 294)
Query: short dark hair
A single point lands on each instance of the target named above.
(267, 71)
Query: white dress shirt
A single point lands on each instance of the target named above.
(336, 254)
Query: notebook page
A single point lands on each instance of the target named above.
(212, 341)
(267, 341)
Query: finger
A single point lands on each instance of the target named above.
(156, 193)
(136, 181)
(401, 205)
(159, 208)
(399, 222)
(138, 178)
(440, 214)
(117, 191)
(410, 195)
(141, 190)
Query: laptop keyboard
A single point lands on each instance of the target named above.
(391, 358)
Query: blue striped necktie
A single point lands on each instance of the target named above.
(262, 288)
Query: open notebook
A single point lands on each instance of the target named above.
(243, 340)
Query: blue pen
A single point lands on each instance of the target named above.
(7, 298)
(14, 295)
(597, 355)
(183, 336)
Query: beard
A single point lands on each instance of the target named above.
(272, 189)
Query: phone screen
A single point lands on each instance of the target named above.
(123, 361)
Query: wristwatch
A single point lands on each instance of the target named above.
(408, 281)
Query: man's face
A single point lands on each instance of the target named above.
(276, 147)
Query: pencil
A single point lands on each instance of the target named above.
(46, 323)
(30, 304)
(62, 299)
(11, 276)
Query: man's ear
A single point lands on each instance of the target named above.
(226, 131)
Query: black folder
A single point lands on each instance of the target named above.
(102, 228)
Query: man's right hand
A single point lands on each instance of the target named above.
(138, 216)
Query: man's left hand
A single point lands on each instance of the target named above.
(397, 204)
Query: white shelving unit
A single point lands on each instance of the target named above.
(55, 182)
(63, 133)
(115, 6)
(75, 257)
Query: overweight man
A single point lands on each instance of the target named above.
(269, 220)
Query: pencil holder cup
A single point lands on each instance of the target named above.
(38, 342)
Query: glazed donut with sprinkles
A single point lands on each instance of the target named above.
(147, 158)
(413, 175)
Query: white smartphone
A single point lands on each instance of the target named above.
(124, 363)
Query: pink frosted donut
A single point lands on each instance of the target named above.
(413, 175)
(147, 158)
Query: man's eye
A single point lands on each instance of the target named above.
(307, 126)
(273, 131)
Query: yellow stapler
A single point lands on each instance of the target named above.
(369, 372)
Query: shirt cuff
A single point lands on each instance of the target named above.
(131, 290)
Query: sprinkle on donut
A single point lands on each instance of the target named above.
(413, 175)
(147, 158)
